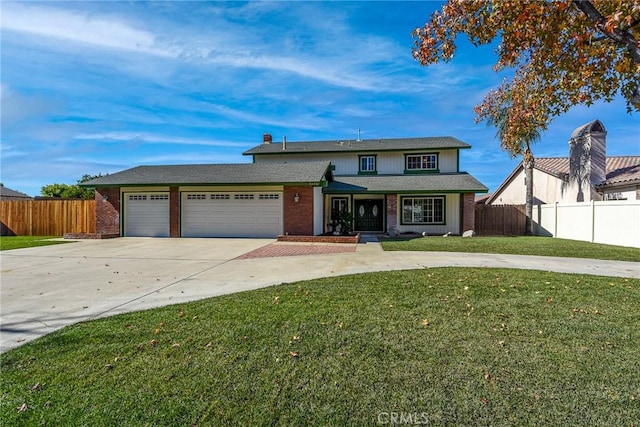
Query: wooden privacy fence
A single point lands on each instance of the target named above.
(500, 220)
(47, 217)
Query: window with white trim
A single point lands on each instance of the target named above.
(423, 210)
(367, 164)
(339, 205)
(614, 196)
(421, 162)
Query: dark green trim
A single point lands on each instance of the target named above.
(458, 162)
(420, 196)
(331, 199)
(351, 150)
(422, 153)
(375, 164)
(210, 184)
(404, 191)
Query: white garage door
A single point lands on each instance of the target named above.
(231, 214)
(146, 214)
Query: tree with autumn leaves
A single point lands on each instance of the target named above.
(562, 53)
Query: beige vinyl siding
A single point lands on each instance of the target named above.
(387, 163)
(452, 217)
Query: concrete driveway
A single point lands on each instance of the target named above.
(46, 288)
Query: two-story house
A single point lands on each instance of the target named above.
(296, 188)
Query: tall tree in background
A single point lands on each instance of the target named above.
(500, 121)
(563, 53)
(66, 191)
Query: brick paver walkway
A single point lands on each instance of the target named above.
(279, 249)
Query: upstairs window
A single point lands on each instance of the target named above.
(421, 162)
(367, 164)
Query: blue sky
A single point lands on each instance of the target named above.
(98, 87)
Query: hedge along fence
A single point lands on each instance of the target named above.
(47, 217)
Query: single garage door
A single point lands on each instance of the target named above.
(245, 214)
(146, 214)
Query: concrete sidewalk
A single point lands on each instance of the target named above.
(46, 288)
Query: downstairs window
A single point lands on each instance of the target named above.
(423, 210)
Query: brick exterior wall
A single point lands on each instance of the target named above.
(174, 212)
(298, 217)
(468, 204)
(392, 211)
(108, 211)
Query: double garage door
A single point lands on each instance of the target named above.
(231, 214)
(206, 214)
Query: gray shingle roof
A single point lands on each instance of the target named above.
(365, 145)
(432, 183)
(218, 174)
(9, 194)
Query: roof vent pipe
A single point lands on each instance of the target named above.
(359, 135)
(284, 143)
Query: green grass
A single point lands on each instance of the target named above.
(544, 246)
(20, 242)
(445, 346)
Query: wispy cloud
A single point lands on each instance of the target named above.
(344, 65)
(148, 138)
(18, 108)
(92, 87)
(79, 27)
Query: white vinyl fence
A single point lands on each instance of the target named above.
(609, 222)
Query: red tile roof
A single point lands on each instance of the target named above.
(619, 168)
(622, 169)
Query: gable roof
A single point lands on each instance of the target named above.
(310, 173)
(365, 145)
(430, 183)
(620, 169)
(9, 194)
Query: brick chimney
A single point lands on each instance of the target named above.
(266, 138)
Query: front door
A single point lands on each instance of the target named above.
(368, 215)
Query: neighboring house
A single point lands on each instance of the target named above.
(587, 174)
(296, 188)
(9, 194)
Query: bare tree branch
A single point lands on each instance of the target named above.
(622, 37)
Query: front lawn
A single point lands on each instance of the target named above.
(523, 245)
(442, 346)
(19, 242)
